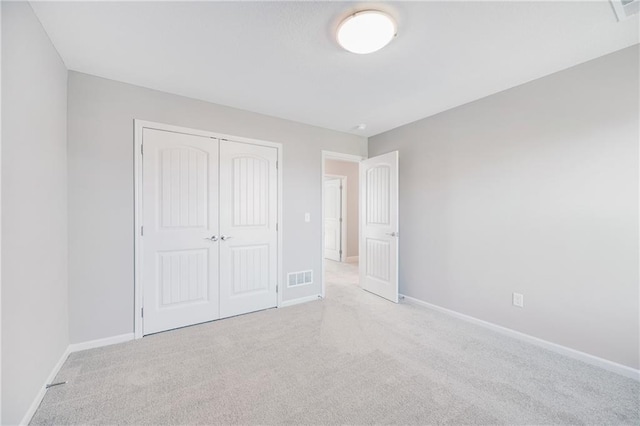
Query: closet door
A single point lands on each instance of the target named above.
(180, 225)
(248, 216)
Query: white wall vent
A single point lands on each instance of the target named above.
(299, 278)
(625, 8)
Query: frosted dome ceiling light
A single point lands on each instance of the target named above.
(366, 31)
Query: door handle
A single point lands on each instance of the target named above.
(225, 237)
(213, 238)
(393, 234)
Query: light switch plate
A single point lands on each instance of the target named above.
(518, 300)
(307, 217)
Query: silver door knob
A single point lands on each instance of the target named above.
(225, 237)
(393, 234)
(212, 238)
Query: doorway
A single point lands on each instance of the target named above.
(367, 247)
(341, 218)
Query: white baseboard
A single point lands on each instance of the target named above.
(98, 343)
(75, 347)
(352, 259)
(38, 399)
(300, 300)
(614, 367)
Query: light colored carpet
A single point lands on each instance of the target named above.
(352, 358)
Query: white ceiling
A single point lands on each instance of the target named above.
(281, 58)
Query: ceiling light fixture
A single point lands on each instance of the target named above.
(366, 31)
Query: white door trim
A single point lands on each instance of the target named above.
(137, 189)
(343, 212)
(330, 155)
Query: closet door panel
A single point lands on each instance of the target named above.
(180, 215)
(248, 216)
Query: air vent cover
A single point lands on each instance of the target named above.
(299, 278)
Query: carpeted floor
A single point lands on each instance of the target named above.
(352, 358)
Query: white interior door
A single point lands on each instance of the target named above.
(180, 217)
(248, 216)
(379, 225)
(333, 219)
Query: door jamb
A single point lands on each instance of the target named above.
(330, 155)
(139, 125)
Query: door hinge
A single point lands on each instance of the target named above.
(276, 165)
(276, 226)
(142, 231)
(276, 288)
(142, 312)
(141, 149)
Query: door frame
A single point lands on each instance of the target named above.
(332, 155)
(139, 125)
(343, 213)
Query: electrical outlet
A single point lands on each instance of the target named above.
(518, 300)
(307, 217)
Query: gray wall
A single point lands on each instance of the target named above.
(532, 190)
(34, 209)
(352, 172)
(101, 114)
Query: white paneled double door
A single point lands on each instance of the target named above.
(209, 229)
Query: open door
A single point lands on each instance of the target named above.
(379, 225)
